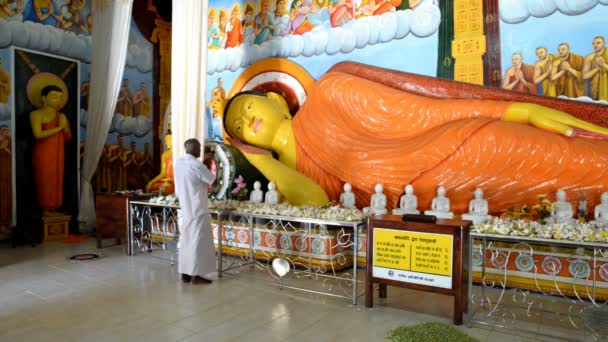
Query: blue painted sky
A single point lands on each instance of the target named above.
(577, 31)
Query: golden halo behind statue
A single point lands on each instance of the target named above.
(41, 80)
(277, 75)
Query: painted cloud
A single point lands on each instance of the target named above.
(517, 11)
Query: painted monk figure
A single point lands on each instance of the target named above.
(401, 134)
(51, 130)
(124, 104)
(520, 76)
(542, 72)
(596, 69)
(567, 72)
(141, 101)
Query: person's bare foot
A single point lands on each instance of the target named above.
(200, 280)
(186, 278)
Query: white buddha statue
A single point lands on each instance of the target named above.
(272, 196)
(347, 198)
(478, 209)
(440, 206)
(257, 195)
(378, 202)
(561, 210)
(408, 203)
(601, 211)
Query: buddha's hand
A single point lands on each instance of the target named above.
(552, 120)
(63, 122)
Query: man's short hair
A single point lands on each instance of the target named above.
(517, 54)
(566, 44)
(542, 47)
(190, 144)
(600, 37)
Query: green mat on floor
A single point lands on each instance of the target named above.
(428, 332)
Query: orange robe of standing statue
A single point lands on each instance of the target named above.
(48, 160)
(410, 139)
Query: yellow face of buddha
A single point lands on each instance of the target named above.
(54, 99)
(256, 119)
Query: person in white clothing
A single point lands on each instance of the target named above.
(196, 252)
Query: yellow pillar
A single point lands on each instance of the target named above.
(469, 42)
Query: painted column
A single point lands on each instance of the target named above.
(469, 44)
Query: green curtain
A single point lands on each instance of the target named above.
(445, 61)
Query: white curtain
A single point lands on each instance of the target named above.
(112, 20)
(188, 72)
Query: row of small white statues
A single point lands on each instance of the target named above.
(478, 207)
(440, 207)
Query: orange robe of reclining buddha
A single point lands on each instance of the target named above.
(48, 160)
(458, 143)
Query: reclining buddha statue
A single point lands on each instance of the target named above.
(362, 125)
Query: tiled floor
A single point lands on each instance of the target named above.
(46, 297)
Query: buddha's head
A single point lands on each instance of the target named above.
(255, 118)
(541, 52)
(478, 193)
(564, 50)
(257, 185)
(378, 188)
(441, 191)
(599, 43)
(271, 186)
(53, 97)
(561, 195)
(347, 187)
(409, 189)
(605, 198)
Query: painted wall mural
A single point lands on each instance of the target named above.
(569, 60)
(63, 28)
(316, 34)
(6, 158)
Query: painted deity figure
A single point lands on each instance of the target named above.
(281, 18)
(213, 31)
(5, 85)
(347, 198)
(248, 21)
(234, 28)
(561, 209)
(478, 209)
(71, 16)
(440, 206)
(6, 11)
(566, 72)
(272, 196)
(408, 203)
(298, 16)
(378, 202)
(341, 12)
(257, 195)
(264, 23)
(223, 26)
(596, 69)
(41, 11)
(51, 129)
